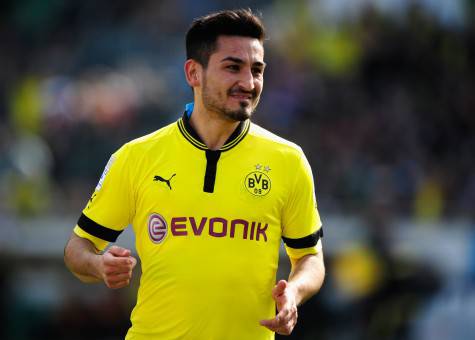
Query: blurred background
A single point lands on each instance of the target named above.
(380, 95)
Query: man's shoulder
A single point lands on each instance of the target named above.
(147, 144)
(151, 140)
(156, 136)
(266, 137)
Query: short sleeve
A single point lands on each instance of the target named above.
(111, 207)
(301, 224)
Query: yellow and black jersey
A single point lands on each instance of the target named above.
(208, 226)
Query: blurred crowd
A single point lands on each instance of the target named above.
(382, 104)
(380, 97)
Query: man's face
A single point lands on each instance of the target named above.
(232, 82)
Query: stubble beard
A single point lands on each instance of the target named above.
(212, 103)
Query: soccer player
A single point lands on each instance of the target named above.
(209, 198)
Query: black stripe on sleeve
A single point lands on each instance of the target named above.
(304, 242)
(95, 229)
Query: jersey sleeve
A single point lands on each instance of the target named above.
(111, 207)
(301, 224)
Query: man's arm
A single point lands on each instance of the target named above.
(307, 276)
(114, 266)
(305, 279)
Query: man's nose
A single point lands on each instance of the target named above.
(246, 81)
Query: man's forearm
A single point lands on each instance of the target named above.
(307, 275)
(81, 258)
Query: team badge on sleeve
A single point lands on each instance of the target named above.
(104, 173)
(157, 228)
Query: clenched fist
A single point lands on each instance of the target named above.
(116, 267)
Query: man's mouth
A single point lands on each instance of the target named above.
(242, 95)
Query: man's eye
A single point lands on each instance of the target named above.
(257, 71)
(233, 67)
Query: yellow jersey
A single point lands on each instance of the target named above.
(208, 227)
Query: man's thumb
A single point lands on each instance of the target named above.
(119, 251)
(279, 288)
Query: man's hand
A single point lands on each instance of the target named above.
(286, 318)
(116, 266)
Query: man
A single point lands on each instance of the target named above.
(209, 198)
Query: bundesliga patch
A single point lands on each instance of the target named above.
(104, 173)
(157, 228)
(258, 182)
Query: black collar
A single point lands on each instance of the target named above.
(190, 134)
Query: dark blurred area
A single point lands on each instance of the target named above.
(380, 95)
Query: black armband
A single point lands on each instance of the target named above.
(304, 242)
(97, 230)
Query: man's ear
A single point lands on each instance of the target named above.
(193, 71)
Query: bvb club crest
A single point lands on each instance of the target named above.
(258, 182)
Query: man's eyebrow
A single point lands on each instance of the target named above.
(240, 61)
(234, 60)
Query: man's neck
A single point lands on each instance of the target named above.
(213, 129)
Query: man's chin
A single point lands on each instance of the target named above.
(239, 115)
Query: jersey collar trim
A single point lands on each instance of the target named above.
(190, 134)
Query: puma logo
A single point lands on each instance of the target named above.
(161, 179)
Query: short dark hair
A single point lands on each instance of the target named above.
(204, 31)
